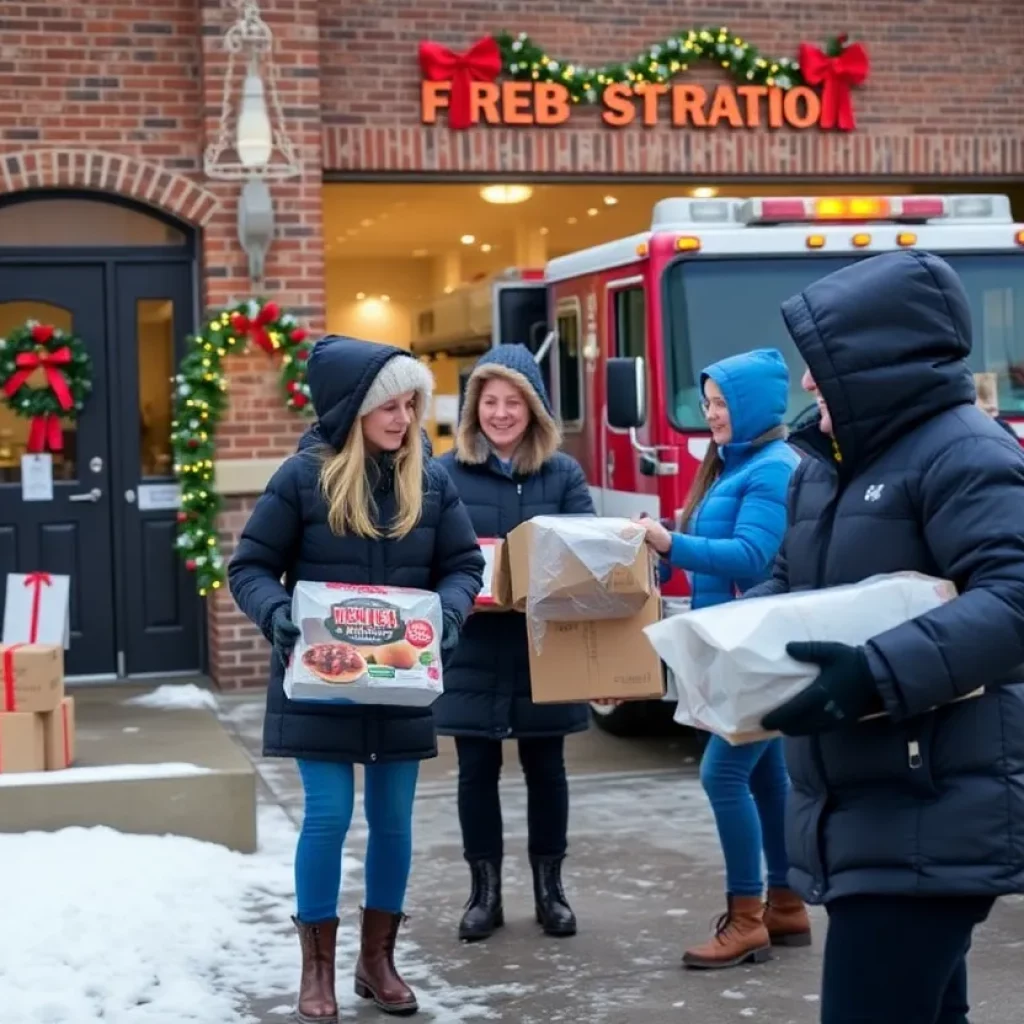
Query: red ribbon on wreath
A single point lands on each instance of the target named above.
(44, 432)
(837, 76)
(256, 329)
(480, 63)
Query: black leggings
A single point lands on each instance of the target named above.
(547, 796)
(899, 959)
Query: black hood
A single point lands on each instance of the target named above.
(340, 372)
(886, 339)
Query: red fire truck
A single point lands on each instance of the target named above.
(622, 330)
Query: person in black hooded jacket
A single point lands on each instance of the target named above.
(507, 468)
(358, 503)
(906, 826)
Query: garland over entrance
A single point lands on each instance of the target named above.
(200, 398)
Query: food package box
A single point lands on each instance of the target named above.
(21, 742)
(583, 661)
(579, 568)
(496, 594)
(59, 735)
(729, 662)
(365, 645)
(31, 677)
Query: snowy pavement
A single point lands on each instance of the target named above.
(102, 928)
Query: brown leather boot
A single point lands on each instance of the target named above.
(317, 1004)
(786, 919)
(740, 937)
(376, 977)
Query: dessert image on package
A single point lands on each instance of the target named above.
(335, 663)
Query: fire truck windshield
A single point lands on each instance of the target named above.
(719, 307)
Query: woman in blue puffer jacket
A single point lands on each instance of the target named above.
(731, 528)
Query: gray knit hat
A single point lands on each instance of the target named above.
(398, 375)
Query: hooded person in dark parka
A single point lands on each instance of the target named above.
(358, 503)
(907, 826)
(507, 468)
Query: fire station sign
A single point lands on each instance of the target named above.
(509, 81)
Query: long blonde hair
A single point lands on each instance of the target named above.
(710, 470)
(346, 487)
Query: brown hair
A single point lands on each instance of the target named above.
(710, 470)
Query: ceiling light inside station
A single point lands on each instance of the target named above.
(467, 239)
(505, 195)
(610, 201)
(704, 192)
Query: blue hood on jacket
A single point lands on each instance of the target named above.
(886, 340)
(340, 372)
(755, 386)
(519, 359)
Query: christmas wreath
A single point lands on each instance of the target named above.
(36, 349)
(200, 398)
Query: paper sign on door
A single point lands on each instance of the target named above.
(37, 609)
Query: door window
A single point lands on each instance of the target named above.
(14, 428)
(154, 332)
(570, 368)
(630, 306)
(60, 221)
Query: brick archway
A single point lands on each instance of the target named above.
(172, 193)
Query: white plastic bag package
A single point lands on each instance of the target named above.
(365, 645)
(730, 663)
(584, 568)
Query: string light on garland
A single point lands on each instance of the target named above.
(200, 399)
(524, 60)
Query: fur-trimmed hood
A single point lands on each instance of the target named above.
(514, 363)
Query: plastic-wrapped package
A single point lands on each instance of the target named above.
(729, 661)
(583, 568)
(365, 645)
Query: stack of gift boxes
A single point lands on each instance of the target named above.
(37, 719)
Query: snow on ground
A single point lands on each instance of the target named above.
(107, 928)
(175, 697)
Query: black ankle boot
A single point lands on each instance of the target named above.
(554, 914)
(484, 913)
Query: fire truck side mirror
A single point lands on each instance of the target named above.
(626, 393)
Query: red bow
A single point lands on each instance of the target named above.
(44, 431)
(480, 63)
(37, 580)
(256, 328)
(837, 75)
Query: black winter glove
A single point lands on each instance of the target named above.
(844, 691)
(283, 633)
(450, 633)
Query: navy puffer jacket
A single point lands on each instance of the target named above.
(287, 536)
(921, 802)
(487, 680)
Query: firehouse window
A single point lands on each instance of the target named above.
(718, 308)
(570, 370)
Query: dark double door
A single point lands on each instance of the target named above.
(111, 523)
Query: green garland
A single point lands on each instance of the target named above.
(200, 400)
(524, 60)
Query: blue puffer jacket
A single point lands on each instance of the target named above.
(736, 530)
(288, 535)
(487, 679)
(921, 802)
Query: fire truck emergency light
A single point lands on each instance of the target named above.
(843, 209)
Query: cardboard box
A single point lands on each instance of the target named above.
(579, 569)
(583, 661)
(59, 735)
(31, 677)
(21, 742)
(496, 595)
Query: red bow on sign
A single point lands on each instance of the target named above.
(480, 63)
(256, 329)
(36, 580)
(44, 431)
(837, 76)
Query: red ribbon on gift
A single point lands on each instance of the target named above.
(44, 430)
(480, 63)
(10, 698)
(837, 76)
(38, 580)
(256, 329)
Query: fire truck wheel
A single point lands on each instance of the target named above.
(636, 718)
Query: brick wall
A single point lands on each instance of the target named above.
(942, 97)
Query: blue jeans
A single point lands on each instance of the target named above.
(388, 795)
(747, 787)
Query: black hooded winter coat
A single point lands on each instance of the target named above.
(929, 800)
(288, 536)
